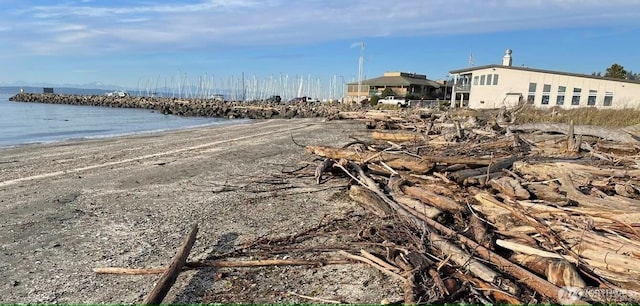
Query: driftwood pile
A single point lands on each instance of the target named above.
(488, 212)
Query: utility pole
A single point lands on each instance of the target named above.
(360, 69)
(342, 88)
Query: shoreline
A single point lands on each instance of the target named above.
(235, 122)
(191, 106)
(69, 207)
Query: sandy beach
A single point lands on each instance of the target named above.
(69, 207)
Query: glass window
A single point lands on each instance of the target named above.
(489, 79)
(546, 92)
(560, 99)
(531, 99)
(608, 99)
(592, 97)
(575, 100)
(545, 99)
(482, 80)
(475, 80)
(495, 79)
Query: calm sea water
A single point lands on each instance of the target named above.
(22, 123)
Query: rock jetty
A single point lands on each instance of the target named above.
(191, 107)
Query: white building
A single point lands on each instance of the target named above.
(495, 86)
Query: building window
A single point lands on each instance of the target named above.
(546, 92)
(545, 99)
(482, 80)
(560, 98)
(592, 97)
(531, 98)
(495, 79)
(608, 98)
(475, 80)
(575, 100)
(489, 79)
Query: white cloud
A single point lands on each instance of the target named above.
(90, 27)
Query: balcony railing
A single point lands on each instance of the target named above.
(466, 87)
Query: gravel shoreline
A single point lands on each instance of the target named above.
(68, 207)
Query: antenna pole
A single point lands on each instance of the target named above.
(360, 69)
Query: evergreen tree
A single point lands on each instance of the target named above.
(616, 71)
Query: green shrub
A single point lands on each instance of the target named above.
(387, 92)
(374, 100)
(412, 97)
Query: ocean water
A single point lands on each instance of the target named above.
(23, 123)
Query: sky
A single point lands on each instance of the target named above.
(126, 42)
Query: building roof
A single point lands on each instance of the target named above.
(470, 69)
(398, 81)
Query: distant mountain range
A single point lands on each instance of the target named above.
(11, 90)
(92, 85)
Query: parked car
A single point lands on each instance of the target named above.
(274, 99)
(402, 102)
(117, 93)
(295, 101)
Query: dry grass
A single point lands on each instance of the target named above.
(581, 116)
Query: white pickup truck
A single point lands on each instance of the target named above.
(394, 101)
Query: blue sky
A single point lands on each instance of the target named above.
(125, 42)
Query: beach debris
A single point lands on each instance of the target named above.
(506, 213)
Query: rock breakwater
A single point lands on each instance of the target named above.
(191, 107)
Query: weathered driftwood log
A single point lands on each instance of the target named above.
(621, 204)
(224, 264)
(468, 262)
(549, 170)
(589, 130)
(170, 275)
(540, 285)
(559, 272)
(617, 148)
(547, 193)
(480, 232)
(436, 200)
(395, 161)
(379, 261)
(370, 200)
(370, 262)
(417, 206)
(360, 157)
(510, 187)
(532, 280)
(482, 179)
(397, 137)
(498, 165)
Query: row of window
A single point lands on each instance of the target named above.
(488, 79)
(575, 98)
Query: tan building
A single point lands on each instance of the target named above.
(402, 84)
(495, 86)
